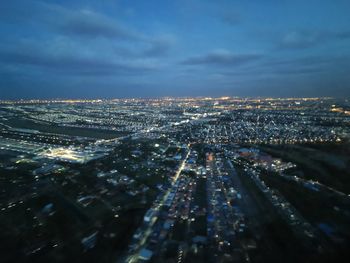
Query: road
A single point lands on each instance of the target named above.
(149, 229)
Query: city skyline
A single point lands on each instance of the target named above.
(118, 49)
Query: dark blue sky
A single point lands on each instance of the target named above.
(111, 49)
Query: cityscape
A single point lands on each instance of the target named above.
(201, 179)
(174, 131)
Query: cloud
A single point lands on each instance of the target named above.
(60, 19)
(152, 47)
(72, 63)
(222, 57)
(15, 11)
(159, 46)
(306, 63)
(306, 67)
(230, 18)
(87, 23)
(78, 42)
(343, 35)
(302, 39)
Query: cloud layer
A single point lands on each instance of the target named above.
(175, 48)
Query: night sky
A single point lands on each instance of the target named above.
(114, 49)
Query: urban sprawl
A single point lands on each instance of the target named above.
(175, 180)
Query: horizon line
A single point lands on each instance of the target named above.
(163, 98)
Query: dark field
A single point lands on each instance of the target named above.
(56, 129)
(328, 164)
